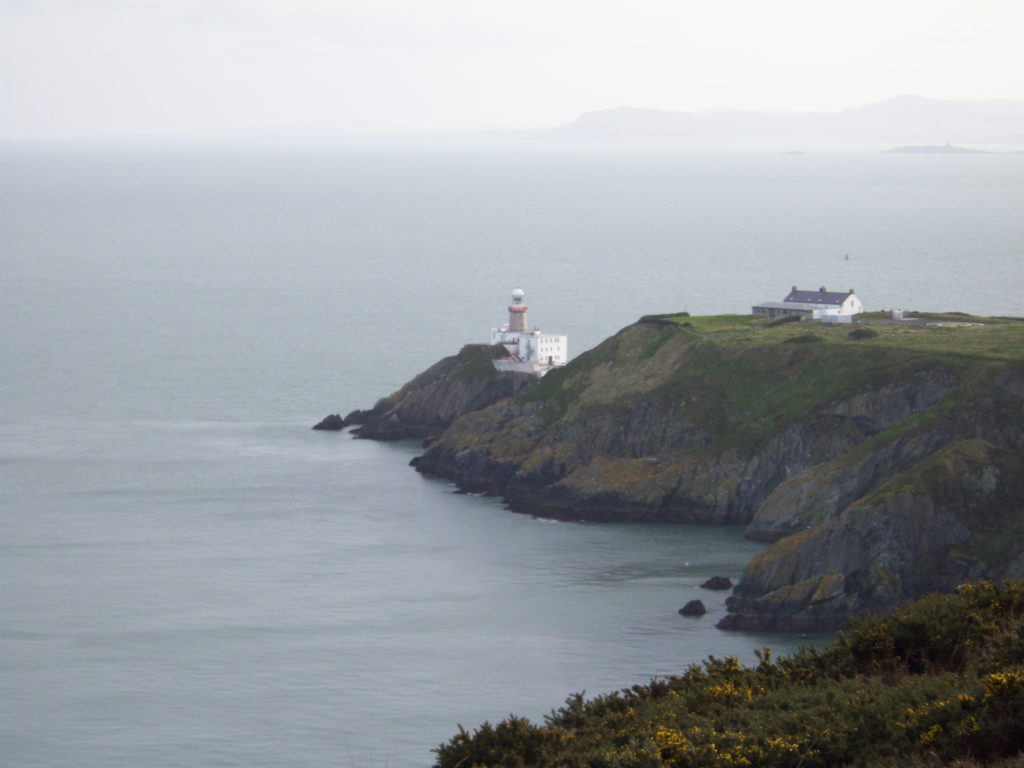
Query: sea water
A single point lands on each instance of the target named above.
(190, 576)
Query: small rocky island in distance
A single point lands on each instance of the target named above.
(884, 459)
(936, 149)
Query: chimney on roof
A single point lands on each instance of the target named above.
(851, 291)
(794, 288)
(822, 289)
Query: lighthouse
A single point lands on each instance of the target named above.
(517, 312)
(528, 351)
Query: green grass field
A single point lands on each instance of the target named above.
(954, 333)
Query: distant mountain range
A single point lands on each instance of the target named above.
(901, 120)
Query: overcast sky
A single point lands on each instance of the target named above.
(144, 67)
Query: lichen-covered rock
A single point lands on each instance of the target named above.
(954, 517)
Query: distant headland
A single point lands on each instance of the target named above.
(912, 120)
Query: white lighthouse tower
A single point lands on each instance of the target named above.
(529, 351)
(517, 312)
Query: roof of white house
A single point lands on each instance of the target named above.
(817, 298)
(791, 305)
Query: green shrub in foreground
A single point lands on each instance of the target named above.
(940, 680)
(863, 333)
(807, 338)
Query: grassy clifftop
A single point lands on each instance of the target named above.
(764, 372)
(947, 333)
(767, 370)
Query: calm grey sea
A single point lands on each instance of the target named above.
(189, 576)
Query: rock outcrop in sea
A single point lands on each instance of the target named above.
(882, 467)
(693, 608)
(331, 423)
(717, 582)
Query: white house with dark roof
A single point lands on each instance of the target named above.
(822, 304)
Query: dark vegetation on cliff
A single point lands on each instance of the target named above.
(939, 682)
(883, 460)
(428, 404)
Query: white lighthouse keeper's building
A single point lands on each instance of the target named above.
(529, 351)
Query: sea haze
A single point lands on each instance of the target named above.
(190, 576)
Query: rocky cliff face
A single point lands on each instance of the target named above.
(795, 432)
(954, 517)
(428, 404)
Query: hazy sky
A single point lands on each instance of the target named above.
(108, 67)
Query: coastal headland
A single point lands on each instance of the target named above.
(884, 460)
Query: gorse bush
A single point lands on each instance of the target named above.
(939, 681)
